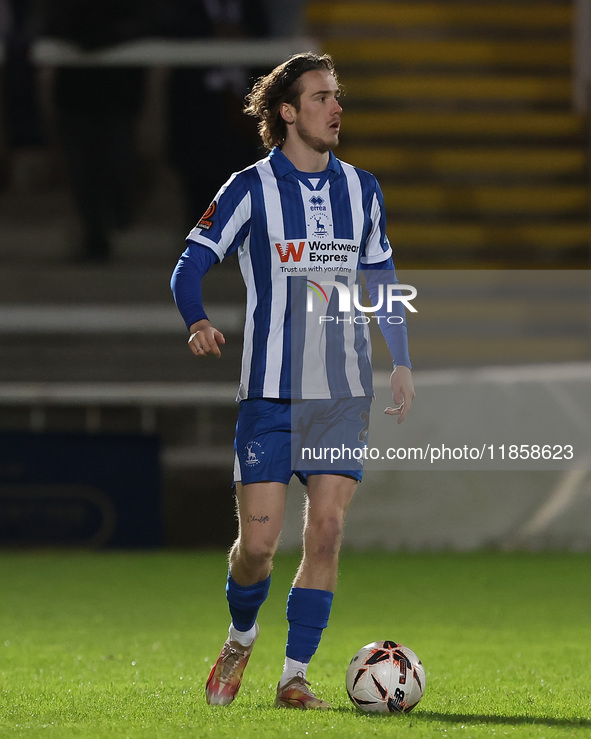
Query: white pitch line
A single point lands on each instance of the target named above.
(559, 500)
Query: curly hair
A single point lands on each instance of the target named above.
(282, 85)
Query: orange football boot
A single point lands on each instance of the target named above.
(297, 694)
(225, 677)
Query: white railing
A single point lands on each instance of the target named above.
(172, 52)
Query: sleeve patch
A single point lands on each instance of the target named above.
(206, 221)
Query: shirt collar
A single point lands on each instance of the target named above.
(284, 167)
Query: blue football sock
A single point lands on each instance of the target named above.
(245, 600)
(307, 613)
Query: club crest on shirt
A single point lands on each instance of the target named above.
(206, 220)
(319, 225)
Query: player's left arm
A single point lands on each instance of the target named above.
(378, 269)
(392, 324)
(403, 392)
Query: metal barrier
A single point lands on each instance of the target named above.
(147, 397)
(166, 52)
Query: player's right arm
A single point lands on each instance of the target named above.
(185, 283)
(205, 339)
(219, 233)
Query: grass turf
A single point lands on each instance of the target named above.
(114, 645)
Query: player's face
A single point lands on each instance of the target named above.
(317, 121)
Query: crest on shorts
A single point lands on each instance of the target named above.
(254, 451)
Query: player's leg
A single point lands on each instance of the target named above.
(310, 599)
(260, 507)
(261, 474)
(260, 514)
(328, 498)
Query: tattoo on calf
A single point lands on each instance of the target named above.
(258, 519)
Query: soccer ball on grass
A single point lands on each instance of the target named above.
(386, 677)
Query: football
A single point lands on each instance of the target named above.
(386, 677)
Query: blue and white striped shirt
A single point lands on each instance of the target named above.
(291, 229)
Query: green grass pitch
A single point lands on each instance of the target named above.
(109, 645)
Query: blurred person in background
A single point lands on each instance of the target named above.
(208, 136)
(286, 17)
(97, 110)
(22, 122)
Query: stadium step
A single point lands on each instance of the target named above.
(522, 162)
(463, 111)
(481, 199)
(466, 88)
(454, 53)
(548, 126)
(520, 244)
(486, 317)
(109, 324)
(441, 15)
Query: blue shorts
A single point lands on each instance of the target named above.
(278, 438)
